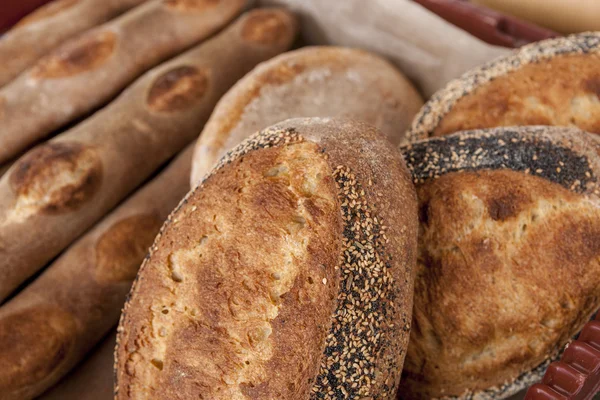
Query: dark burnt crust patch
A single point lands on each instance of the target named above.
(365, 303)
(177, 89)
(519, 149)
(444, 100)
(56, 177)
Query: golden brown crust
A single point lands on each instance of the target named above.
(34, 342)
(177, 89)
(58, 195)
(86, 53)
(254, 287)
(47, 328)
(56, 178)
(552, 82)
(310, 82)
(132, 237)
(86, 72)
(191, 5)
(51, 25)
(509, 257)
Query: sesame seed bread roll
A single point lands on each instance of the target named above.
(59, 189)
(87, 71)
(552, 82)
(309, 82)
(509, 257)
(91, 380)
(48, 327)
(288, 274)
(50, 25)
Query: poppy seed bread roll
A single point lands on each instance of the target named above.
(87, 71)
(309, 82)
(509, 257)
(286, 275)
(551, 82)
(59, 189)
(50, 25)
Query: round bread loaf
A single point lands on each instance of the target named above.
(508, 267)
(310, 82)
(552, 82)
(288, 274)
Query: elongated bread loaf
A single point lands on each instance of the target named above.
(86, 72)
(48, 327)
(288, 274)
(509, 257)
(92, 379)
(58, 190)
(310, 82)
(49, 26)
(551, 82)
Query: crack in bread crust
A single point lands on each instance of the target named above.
(502, 211)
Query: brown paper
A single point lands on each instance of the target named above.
(429, 50)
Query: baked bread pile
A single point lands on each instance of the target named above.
(341, 239)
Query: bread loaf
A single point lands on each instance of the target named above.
(89, 70)
(552, 82)
(92, 379)
(59, 189)
(49, 26)
(310, 82)
(509, 257)
(48, 327)
(286, 275)
(428, 49)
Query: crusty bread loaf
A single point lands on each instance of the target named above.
(50, 25)
(288, 274)
(552, 82)
(48, 327)
(310, 82)
(89, 70)
(92, 379)
(509, 257)
(58, 190)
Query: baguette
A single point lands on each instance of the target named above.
(91, 380)
(50, 25)
(288, 274)
(75, 302)
(552, 82)
(58, 190)
(310, 82)
(509, 257)
(89, 70)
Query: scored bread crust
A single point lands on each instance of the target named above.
(219, 310)
(78, 298)
(49, 26)
(309, 82)
(551, 82)
(60, 188)
(509, 257)
(89, 70)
